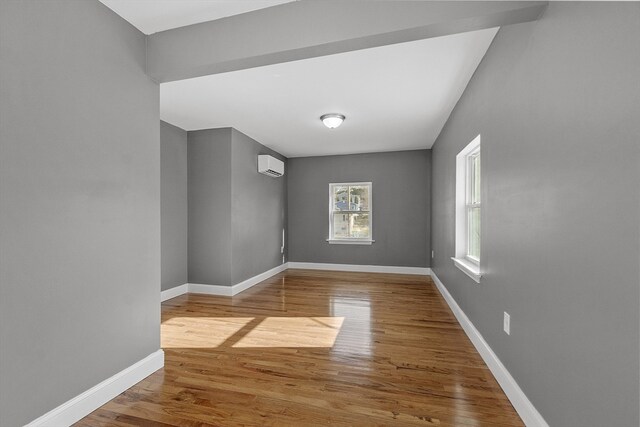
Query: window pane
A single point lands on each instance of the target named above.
(340, 225)
(474, 232)
(360, 225)
(474, 179)
(359, 198)
(340, 198)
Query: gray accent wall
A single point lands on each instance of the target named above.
(401, 208)
(209, 154)
(79, 203)
(259, 205)
(557, 104)
(173, 211)
(236, 215)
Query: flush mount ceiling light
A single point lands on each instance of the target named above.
(332, 121)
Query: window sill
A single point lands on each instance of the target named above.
(350, 242)
(468, 268)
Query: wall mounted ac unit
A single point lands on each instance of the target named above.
(270, 166)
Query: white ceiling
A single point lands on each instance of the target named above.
(395, 97)
(152, 16)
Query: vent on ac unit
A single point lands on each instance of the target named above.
(270, 166)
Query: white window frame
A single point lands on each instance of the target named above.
(350, 240)
(468, 264)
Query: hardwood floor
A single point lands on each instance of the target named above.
(310, 348)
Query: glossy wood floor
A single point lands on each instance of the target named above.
(311, 348)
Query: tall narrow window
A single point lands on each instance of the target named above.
(350, 217)
(468, 210)
(473, 206)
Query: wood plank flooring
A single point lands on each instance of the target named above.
(307, 348)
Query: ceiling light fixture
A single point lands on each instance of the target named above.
(333, 120)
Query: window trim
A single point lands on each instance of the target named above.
(350, 240)
(468, 264)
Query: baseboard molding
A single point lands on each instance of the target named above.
(174, 292)
(529, 414)
(229, 291)
(246, 284)
(87, 402)
(203, 288)
(361, 268)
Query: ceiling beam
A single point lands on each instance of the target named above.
(311, 28)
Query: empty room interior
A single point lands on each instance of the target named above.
(319, 212)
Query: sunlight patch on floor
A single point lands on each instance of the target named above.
(250, 332)
(200, 332)
(293, 332)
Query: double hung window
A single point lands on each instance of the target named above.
(468, 210)
(350, 213)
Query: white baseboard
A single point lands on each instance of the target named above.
(529, 414)
(246, 284)
(229, 291)
(361, 268)
(203, 288)
(87, 402)
(174, 292)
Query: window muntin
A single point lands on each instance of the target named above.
(350, 211)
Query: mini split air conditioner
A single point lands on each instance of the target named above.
(270, 166)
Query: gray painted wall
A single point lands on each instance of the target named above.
(173, 202)
(401, 208)
(236, 215)
(209, 182)
(80, 203)
(556, 103)
(259, 205)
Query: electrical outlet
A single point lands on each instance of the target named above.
(506, 324)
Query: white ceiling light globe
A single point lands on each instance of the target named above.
(332, 121)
